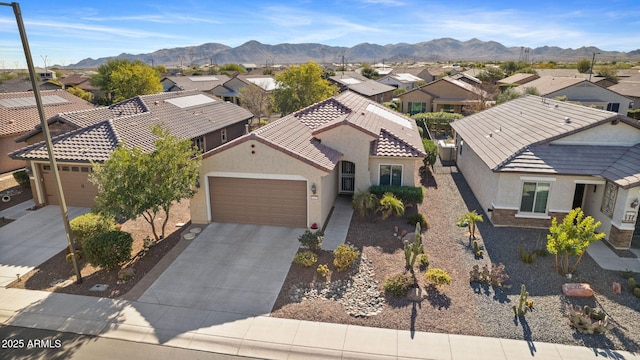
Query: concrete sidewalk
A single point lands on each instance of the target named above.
(261, 336)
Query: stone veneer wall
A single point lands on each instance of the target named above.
(505, 217)
(620, 239)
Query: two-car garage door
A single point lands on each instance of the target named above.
(258, 201)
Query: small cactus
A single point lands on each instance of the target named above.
(524, 304)
(588, 323)
(636, 292)
(476, 249)
(632, 283)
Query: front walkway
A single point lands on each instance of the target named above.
(608, 260)
(336, 231)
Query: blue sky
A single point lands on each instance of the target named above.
(65, 32)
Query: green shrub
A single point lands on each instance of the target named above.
(364, 203)
(343, 256)
(109, 249)
(88, 225)
(305, 258)
(398, 285)
(431, 149)
(312, 241)
(423, 261)
(632, 283)
(635, 114)
(22, 178)
(409, 195)
(390, 205)
(417, 218)
(626, 274)
(437, 277)
(527, 257)
(323, 270)
(636, 292)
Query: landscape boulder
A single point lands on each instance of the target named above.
(577, 289)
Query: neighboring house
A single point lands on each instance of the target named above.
(204, 83)
(422, 72)
(16, 85)
(290, 172)
(91, 135)
(518, 79)
(45, 74)
(579, 91)
(81, 81)
(531, 159)
(468, 78)
(371, 89)
(631, 90)
(404, 80)
(445, 94)
(230, 90)
(19, 115)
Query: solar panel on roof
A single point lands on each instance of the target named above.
(31, 101)
(203, 78)
(389, 116)
(188, 101)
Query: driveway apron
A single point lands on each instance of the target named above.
(228, 267)
(30, 240)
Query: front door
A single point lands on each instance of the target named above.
(347, 177)
(578, 196)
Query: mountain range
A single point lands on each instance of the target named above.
(445, 49)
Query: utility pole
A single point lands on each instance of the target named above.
(593, 60)
(47, 136)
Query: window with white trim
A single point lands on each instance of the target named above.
(535, 196)
(390, 175)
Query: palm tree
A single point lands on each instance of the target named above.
(391, 205)
(471, 218)
(363, 202)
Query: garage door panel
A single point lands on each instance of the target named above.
(78, 191)
(258, 201)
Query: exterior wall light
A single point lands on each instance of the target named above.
(313, 188)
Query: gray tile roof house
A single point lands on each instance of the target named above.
(91, 135)
(579, 90)
(351, 80)
(201, 83)
(19, 115)
(572, 152)
(340, 145)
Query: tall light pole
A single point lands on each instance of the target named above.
(593, 60)
(47, 136)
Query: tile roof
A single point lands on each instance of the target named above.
(550, 84)
(515, 137)
(17, 120)
(200, 83)
(295, 133)
(627, 88)
(133, 119)
(519, 78)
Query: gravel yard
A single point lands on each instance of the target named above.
(464, 307)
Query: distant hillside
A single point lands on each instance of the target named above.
(434, 50)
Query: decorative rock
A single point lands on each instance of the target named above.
(195, 230)
(189, 236)
(126, 274)
(414, 294)
(616, 288)
(577, 289)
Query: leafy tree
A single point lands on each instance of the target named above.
(133, 183)
(491, 75)
(399, 91)
(531, 90)
(369, 72)
(256, 100)
(608, 72)
(122, 79)
(85, 95)
(507, 95)
(572, 237)
(583, 65)
(512, 67)
(300, 86)
(231, 68)
(431, 149)
(438, 123)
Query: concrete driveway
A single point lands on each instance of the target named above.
(33, 238)
(228, 267)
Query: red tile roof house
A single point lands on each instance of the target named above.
(532, 159)
(19, 115)
(91, 135)
(289, 172)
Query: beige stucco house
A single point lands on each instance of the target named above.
(446, 94)
(532, 159)
(289, 172)
(83, 138)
